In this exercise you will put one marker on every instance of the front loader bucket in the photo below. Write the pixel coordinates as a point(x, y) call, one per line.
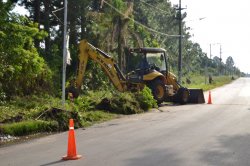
point(196, 96)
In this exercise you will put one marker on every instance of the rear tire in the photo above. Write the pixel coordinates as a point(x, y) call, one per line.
point(158, 90)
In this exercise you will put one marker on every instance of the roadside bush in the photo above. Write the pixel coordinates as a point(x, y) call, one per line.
point(86, 110)
point(128, 103)
point(89, 101)
point(145, 99)
point(62, 118)
point(22, 70)
point(120, 103)
point(125, 103)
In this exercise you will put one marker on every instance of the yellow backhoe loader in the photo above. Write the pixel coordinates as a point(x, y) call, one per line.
point(147, 67)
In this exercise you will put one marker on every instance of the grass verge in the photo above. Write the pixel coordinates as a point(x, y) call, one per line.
point(33, 114)
point(29, 127)
point(199, 82)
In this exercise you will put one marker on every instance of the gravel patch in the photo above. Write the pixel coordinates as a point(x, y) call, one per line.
point(7, 138)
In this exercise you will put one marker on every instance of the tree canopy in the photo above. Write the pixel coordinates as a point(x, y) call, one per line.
point(31, 46)
point(22, 70)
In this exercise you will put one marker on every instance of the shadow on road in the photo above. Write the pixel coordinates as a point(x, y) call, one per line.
point(159, 157)
point(53, 163)
point(176, 104)
point(168, 104)
point(230, 150)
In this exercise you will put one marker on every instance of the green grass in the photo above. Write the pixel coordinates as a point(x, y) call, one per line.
point(27, 115)
point(26, 108)
point(198, 81)
point(28, 127)
point(92, 117)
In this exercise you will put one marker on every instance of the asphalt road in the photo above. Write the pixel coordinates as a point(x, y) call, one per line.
point(187, 135)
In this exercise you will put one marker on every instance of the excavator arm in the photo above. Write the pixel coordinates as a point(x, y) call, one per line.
point(104, 60)
point(131, 83)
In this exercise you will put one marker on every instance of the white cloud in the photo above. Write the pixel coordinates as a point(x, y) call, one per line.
point(227, 22)
point(20, 10)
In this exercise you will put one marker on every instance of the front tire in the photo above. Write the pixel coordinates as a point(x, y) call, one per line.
point(158, 90)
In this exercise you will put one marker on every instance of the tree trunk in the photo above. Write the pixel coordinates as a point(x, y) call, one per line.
point(37, 18)
point(120, 45)
point(47, 26)
point(122, 34)
point(73, 10)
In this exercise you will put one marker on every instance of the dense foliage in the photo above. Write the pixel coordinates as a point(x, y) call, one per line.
point(32, 44)
point(34, 114)
point(22, 70)
point(31, 59)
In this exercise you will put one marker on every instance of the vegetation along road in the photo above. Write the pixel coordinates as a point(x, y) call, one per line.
point(216, 134)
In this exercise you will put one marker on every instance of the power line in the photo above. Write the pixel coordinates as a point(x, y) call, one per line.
point(163, 11)
point(150, 29)
point(53, 13)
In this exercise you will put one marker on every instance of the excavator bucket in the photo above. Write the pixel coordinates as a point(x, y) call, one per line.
point(196, 96)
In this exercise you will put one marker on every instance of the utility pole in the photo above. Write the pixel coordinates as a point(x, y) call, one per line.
point(206, 72)
point(180, 42)
point(64, 51)
point(220, 67)
point(210, 49)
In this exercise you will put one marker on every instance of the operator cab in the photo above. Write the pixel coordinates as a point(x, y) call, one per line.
point(142, 61)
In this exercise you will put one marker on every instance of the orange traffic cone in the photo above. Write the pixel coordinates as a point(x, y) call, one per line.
point(209, 98)
point(71, 154)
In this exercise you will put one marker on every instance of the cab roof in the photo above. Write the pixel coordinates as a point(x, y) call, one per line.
point(147, 50)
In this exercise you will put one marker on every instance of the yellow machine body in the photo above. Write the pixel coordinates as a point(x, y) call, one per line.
point(163, 83)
